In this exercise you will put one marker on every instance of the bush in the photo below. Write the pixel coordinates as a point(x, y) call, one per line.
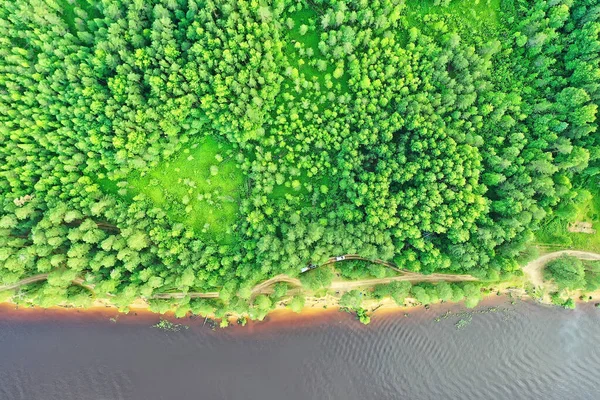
point(472, 295)
point(569, 304)
point(398, 291)
point(296, 304)
point(568, 272)
point(362, 316)
point(317, 279)
point(556, 298)
point(351, 300)
point(421, 295)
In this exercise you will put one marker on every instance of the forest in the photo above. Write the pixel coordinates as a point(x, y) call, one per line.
point(160, 146)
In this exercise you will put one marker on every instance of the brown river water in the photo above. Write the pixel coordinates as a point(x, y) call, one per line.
point(520, 351)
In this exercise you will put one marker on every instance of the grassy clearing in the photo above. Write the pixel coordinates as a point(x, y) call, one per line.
point(200, 187)
point(358, 269)
point(459, 15)
point(308, 40)
point(294, 187)
point(589, 210)
point(554, 232)
point(308, 75)
point(303, 53)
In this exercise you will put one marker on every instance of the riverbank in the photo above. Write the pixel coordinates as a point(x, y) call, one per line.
point(281, 316)
point(280, 321)
point(313, 305)
point(529, 286)
point(316, 308)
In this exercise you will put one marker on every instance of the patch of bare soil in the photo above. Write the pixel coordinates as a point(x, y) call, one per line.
point(581, 227)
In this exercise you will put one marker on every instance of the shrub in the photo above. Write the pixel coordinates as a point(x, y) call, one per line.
point(568, 272)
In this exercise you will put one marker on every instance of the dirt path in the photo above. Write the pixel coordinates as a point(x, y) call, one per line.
point(533, 270)
point(276, 279)
point(193, 295)
point(26, 281)
point(262, 287)
point(266, 286)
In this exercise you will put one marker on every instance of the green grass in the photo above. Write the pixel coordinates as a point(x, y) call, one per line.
point(111, 187)
point(297, 42)
point(589, 210)
point(554, 232)
point(280, 191)
point(302, 195)
point(201, 187)
point(459, 15)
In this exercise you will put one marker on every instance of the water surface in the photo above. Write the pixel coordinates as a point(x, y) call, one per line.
point(522, 351)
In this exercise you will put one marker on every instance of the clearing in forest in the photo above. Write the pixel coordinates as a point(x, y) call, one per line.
point(582, 231)
point(200, 187)
point(478, 14)
point(581, 227)
point(308, 72)
point(302, 51)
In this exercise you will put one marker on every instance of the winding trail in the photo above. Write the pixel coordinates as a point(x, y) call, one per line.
point(265, 286)
point(193, 295)
point(26, 281)
point(276, 279)
point(43, 277)
point(261, 288)
point(533, 270)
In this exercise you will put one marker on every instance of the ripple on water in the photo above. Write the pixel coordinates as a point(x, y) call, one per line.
point(527, 352)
